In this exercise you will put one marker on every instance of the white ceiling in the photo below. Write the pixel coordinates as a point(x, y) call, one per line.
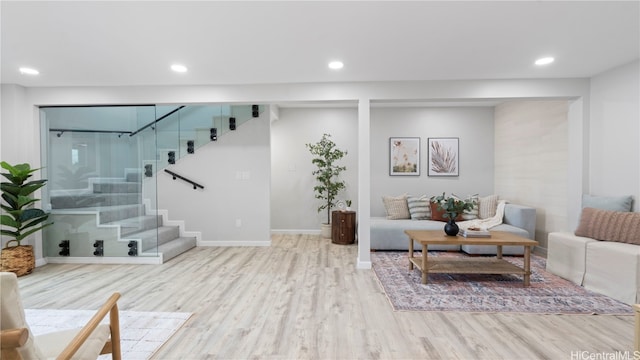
point(85, 43)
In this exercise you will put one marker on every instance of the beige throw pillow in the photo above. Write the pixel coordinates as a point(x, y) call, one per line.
point(487, 206)
point(608, 225)
point(396, 207)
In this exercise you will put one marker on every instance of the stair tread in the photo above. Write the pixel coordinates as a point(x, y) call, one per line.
point(174, 247)
point(153, 231)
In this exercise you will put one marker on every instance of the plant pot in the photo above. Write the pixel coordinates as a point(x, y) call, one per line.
point(451, 228)
point(325, 231)
point(17, 259)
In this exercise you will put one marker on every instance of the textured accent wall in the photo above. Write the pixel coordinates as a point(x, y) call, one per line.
point(531, 157)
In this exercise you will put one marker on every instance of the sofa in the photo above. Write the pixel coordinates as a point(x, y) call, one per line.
point(387, 233)
point(603, 254)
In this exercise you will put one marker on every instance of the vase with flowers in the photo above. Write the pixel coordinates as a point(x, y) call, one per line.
point(452, 207)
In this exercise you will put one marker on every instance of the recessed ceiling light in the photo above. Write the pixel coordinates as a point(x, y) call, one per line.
point(29, 71)
point(335, 65)
point(544, 61)
point(179, 68)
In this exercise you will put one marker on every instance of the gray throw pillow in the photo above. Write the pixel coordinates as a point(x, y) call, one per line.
point(611, 203)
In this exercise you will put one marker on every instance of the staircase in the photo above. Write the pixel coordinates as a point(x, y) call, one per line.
point(118, 205)
point(111, 214)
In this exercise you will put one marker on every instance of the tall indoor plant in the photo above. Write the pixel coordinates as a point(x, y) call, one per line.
point(21, 216)
point(326, 155)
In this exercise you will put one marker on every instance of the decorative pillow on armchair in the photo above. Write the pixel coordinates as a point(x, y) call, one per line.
point(396, 207)
point(620, 226)
point(611, 203)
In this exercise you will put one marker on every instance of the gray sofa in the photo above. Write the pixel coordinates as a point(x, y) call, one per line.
point(389, 234)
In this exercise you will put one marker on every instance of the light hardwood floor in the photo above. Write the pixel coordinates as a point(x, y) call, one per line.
point(302, 298)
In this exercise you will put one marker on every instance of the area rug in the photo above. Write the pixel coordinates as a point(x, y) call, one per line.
point(141, 333)
point(547, 294)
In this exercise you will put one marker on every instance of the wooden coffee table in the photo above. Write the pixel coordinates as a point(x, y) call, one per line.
point(470, 264)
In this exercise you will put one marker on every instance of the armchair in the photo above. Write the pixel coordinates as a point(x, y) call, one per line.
point(17, 341)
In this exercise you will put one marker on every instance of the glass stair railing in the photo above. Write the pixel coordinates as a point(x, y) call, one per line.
point(193, 126)
point(101, 164)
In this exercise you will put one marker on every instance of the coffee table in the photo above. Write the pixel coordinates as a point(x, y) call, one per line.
point(470, 264)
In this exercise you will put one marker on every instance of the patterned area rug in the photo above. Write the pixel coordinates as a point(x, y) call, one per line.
point(141, 333)
point(548, 293)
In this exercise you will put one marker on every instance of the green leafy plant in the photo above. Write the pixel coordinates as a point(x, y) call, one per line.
point(21, 215)
point(452, 205)
point(325, 157)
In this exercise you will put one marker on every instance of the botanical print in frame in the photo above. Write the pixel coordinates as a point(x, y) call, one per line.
point(404, 156)
point(443, 157)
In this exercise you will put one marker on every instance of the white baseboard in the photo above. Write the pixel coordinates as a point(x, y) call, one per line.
point(294, 231)
point(363, 264)
point(41, 262)
point(141, 260)
point(233, 243)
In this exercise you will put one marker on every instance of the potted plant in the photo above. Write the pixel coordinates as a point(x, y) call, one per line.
point(326, 155)
point(452, 207)
point(21, 216)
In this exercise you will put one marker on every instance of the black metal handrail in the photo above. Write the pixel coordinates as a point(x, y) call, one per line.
point(176, 176)
point(158, 119)
point(62, 131)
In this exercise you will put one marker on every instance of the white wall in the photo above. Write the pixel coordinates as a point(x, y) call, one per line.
point(531, 159)
point(615, 133)
point(235, 173)
point(472, 125)
point(19, 131)
point(20, 137)
point(20, 140)
point(293, 205)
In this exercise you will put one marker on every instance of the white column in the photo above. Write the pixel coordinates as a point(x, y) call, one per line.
point(578, 167)
point(364, 185)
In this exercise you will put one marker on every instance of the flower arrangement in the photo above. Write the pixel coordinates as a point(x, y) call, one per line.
point(453, 205)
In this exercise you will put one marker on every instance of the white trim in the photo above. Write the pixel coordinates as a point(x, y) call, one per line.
point(295, 231)
point(148, 260)
point(364, 184)
point(366, 265)
point(206, 243)
point(41, 262)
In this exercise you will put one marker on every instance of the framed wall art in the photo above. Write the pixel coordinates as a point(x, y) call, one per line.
point(443, 157)
point(404, 156)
